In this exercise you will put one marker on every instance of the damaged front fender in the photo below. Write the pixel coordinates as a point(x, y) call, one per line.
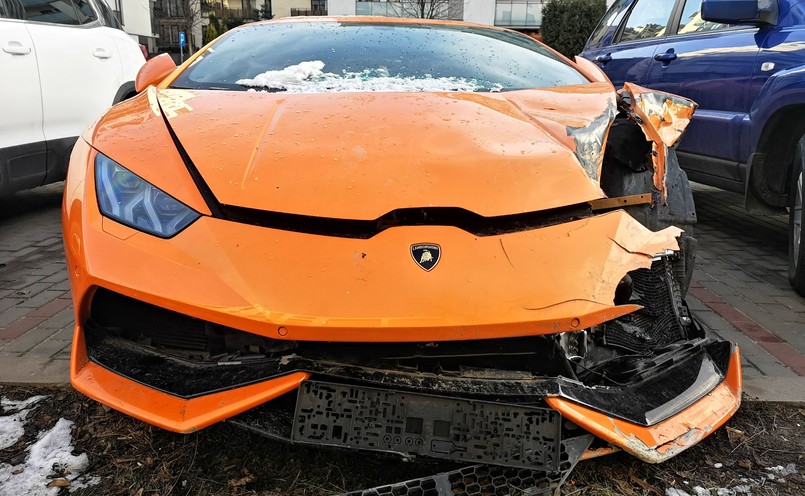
point(663, 118)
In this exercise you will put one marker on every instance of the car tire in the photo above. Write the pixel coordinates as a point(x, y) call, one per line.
point(796, 228)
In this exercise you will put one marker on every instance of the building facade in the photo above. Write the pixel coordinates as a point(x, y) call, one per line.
point(172, 16)
point(136, 17)
point(518, 14)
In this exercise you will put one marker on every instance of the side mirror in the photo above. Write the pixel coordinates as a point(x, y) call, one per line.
point(154, 71)
point(741, 11)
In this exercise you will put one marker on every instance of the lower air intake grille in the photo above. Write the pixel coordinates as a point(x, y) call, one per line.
point(662, 320)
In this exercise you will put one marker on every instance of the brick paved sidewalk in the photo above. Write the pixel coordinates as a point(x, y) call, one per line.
point(36, 315)
point(740, 290)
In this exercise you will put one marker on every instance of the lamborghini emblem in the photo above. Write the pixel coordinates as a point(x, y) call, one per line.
point(426, 255)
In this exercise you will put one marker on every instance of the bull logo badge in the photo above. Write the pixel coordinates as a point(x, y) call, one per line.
point(426, 255)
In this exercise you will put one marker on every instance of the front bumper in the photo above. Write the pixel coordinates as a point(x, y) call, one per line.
point(332, 294)
point(681, 396)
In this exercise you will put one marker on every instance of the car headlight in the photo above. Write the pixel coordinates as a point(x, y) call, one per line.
point(128, 199)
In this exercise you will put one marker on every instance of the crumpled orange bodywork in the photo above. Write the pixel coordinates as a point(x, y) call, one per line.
point(663, 118)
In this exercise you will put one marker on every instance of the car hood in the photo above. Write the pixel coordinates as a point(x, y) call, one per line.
point(362, 155)
point(359, 155)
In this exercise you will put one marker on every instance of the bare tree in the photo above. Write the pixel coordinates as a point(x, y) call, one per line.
point(427, 9)
point(173, 16)
point(191, 22)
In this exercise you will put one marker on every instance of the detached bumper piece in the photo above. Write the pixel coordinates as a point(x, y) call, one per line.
point(485, 480)
point(424, 425)
point(523, 443)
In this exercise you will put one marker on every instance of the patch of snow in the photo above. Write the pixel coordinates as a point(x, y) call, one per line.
point(672, 491)
point(789, 469)
point(50, 455)
point(700, 491)
point(309, 77)
point(84, 482)
point(12, 427)
point(291, 75)
point(16, 406)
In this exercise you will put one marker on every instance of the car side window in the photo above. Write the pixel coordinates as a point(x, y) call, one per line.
point(52, 11)
point(647, 19)
point(11, 9)
point(108, 16)
point(86, 14)
point(613, 16)
point(692, 22)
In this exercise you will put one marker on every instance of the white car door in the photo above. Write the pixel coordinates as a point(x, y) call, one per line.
point(79, 65)
point(22, 142)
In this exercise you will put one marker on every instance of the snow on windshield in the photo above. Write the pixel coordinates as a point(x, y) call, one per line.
point(309, 77)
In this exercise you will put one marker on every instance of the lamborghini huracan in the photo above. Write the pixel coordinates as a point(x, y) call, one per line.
point(427, 238)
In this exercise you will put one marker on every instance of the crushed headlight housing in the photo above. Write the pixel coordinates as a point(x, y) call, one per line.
point(128, 199)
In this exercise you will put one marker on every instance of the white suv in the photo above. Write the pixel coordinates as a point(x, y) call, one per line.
point(63, 62)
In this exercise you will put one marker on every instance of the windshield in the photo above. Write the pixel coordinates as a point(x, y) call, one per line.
point(312, 57)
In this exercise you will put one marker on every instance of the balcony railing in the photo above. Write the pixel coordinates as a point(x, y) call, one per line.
point(227, 13)
point(308, 12)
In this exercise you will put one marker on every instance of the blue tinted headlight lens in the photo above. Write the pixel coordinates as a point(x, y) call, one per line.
point(128, 199)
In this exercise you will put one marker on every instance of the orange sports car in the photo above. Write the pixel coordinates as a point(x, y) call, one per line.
point(428, 238)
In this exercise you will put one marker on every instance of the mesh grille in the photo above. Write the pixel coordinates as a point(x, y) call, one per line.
point(487, 480)
point(659, 323)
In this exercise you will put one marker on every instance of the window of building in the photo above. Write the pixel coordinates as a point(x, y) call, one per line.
point(519, 13)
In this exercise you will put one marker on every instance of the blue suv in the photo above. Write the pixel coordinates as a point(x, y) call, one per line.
point(743, 62)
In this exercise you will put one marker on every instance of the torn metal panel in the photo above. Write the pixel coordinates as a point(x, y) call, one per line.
point(590, 141)
point(663, 118)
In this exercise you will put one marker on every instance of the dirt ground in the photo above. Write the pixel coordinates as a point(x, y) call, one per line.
point(755, 453)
